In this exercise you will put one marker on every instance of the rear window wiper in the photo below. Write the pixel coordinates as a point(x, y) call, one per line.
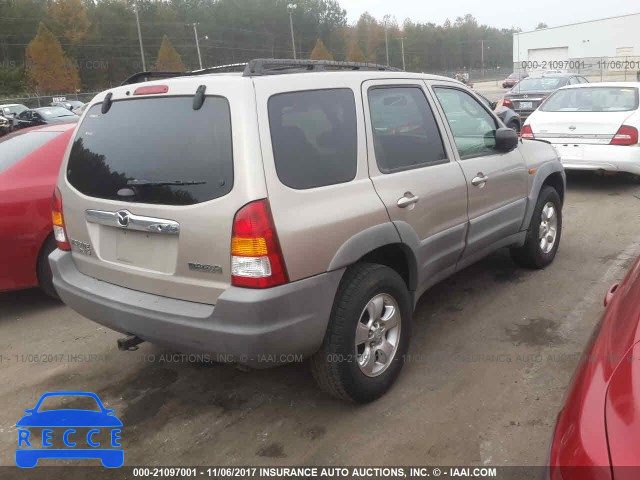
point(146, 183)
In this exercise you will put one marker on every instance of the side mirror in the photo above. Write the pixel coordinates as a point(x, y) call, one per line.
point(506, 139)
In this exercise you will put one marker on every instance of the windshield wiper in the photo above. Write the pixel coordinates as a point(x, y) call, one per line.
point(146, 183)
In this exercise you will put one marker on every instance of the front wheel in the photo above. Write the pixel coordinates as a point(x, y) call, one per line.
point(368, 334)
point(543, 235)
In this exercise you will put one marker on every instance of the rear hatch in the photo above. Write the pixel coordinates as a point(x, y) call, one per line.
point(584, 115)
point(151, 186)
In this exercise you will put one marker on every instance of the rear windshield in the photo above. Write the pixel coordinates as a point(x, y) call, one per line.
point(154, 150)
point(538, 84)
point(15, 147)
point(593, 99)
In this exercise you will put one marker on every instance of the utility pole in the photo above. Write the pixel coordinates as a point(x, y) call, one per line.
point(386, 39)
point(482, 57)
point(135, 8)
point(195, 32)
point(291, 8)
point(404, 67)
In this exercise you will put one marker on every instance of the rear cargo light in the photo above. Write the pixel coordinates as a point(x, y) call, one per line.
point(256, 256)
point(151, 90)
point(626, 135)
point(507, 103)
point(526, 132)
point(57, 219)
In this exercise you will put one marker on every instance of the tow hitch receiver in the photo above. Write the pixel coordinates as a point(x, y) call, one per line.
point(129, 343)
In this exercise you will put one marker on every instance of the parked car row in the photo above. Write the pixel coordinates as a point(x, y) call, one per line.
point(17, 116)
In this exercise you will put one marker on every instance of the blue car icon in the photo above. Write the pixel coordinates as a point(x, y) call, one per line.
point(65, 422)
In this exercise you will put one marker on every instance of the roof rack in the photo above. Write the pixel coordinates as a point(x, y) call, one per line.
point(146, 76)
point(265, 66)
point(274, 66)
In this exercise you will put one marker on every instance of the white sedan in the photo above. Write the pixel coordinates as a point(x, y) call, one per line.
point(593, 126)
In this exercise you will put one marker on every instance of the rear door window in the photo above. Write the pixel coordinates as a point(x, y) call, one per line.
point(154, 150)
point(314, 137)
point(405, 132)
point(15, 147)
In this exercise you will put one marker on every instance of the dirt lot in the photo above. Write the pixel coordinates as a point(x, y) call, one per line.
point(492, 351)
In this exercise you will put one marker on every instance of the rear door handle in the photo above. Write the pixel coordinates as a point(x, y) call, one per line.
point(408, 199)
point(479, 180)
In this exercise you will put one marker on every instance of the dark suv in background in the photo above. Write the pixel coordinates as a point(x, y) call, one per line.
point(529, 93)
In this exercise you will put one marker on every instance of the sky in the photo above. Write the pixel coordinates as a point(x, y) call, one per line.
point(515, 13)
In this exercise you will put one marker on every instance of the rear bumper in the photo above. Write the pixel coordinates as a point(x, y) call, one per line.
point(257, 328)
point(612, 158)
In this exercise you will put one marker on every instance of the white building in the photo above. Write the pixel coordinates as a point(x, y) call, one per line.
point(614, 38)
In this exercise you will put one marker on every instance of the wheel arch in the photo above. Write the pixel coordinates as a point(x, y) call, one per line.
point(379, 244)
point(550, 173)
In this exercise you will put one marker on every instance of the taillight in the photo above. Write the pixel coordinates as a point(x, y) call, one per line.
point(526, 132)
point(626, 135)
point(256, 256)
point(507, 103)
point(57, 219)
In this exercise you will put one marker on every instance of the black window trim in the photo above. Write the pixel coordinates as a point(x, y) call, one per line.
point(491, 114)
point(387, 171)
point(355, 111)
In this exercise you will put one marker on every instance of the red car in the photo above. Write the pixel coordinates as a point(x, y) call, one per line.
point(513, 79)
point(29, 164)
point(597, 431)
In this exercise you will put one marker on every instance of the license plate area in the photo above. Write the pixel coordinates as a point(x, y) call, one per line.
point(148, 251)
point(570, 152)
point(526, 105)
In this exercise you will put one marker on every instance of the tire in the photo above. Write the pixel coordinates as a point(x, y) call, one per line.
point(45, 278)
point(339, 366)
point(534, 254)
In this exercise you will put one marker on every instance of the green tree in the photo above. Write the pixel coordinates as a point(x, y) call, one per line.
point(169, 60)
point(320, 52)
point(48, 69)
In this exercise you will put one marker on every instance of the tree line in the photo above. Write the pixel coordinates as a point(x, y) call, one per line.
point(62, 46)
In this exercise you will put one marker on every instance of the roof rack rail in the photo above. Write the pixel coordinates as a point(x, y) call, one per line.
point(146, 76)
point(275, 66)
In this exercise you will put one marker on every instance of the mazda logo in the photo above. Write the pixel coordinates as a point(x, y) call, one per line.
point(123, 218)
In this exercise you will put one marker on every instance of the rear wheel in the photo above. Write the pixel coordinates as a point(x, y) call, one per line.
point(514, 125)
point(368, 334)
point(45, 277)
point(543, 235)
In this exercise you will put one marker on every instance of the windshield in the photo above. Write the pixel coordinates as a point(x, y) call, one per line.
point(593, 99)
point(14, 109)
point(178, 159)
point(538, 84)
point(54, 112)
